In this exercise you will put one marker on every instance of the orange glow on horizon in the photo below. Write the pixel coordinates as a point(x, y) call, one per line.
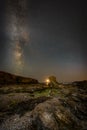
point(47, 81)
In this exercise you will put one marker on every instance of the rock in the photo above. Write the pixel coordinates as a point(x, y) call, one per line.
point(51, 114)
point(7, 78)
point(66, 109)
point(53, 82)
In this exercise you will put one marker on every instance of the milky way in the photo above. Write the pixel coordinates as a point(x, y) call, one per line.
point(17, 31)
point(39, 38)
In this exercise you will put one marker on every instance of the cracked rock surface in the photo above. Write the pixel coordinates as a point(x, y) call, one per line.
point(34, 107)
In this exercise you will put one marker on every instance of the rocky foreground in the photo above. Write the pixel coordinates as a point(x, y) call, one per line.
point(34, 107)
point(38, 107)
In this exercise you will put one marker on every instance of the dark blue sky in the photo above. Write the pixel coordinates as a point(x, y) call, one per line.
point(42, 38)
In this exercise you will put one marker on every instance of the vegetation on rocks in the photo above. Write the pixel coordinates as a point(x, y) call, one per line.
point(39, 107)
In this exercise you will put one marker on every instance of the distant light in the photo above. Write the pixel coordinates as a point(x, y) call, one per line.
point(47, 81)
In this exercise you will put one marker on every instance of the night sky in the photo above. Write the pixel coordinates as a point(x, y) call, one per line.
point(39, 38)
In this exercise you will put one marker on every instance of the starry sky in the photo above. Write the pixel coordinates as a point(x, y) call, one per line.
point(39, 38)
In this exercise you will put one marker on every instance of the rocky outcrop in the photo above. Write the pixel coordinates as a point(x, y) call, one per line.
point(66, 109)
point(80, 84)
point(53, 114)
point(7, 78)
